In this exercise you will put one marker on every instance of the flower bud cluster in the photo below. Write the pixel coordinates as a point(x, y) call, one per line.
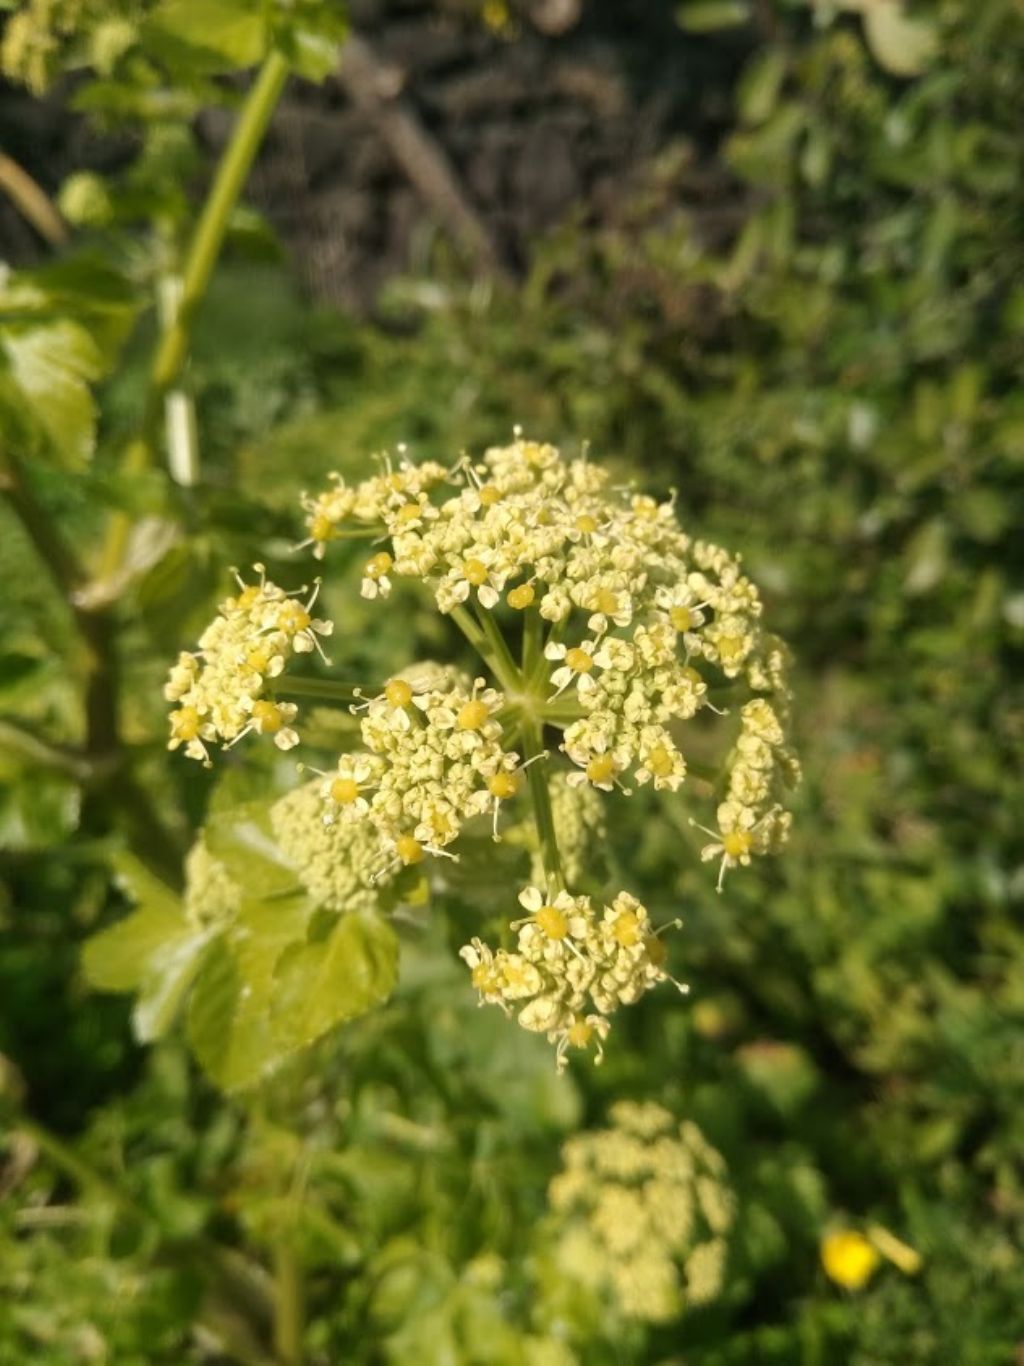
point(641, 1212)
point(212, 896)
point(641, 620)
point(220, 688)
point(435, 759)
point(338, 864)
point(572, 969)
point(751, 820)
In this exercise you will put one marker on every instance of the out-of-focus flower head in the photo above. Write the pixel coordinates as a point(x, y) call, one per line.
point(641, 1213)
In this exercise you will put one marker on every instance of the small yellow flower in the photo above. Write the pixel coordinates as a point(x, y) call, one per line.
point(848, 1258)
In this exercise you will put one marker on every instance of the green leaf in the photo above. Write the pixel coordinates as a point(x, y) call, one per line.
point(235, 30)
point(242, 839)
point(38, 810)
point(229, 1023)
point(85, 288)
point(171, 970)
point(320, 985)
point(312, 55)
point(121, 958)
point(50, 365)
point(310, 33)
point(144, 887)
point(706, 16)
point(60, 329)
point(154, 951)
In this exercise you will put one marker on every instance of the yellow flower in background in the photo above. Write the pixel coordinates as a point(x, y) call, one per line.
point(848, 1258)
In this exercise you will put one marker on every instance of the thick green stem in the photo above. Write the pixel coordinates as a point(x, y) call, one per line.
point(289, 1308)
point(505, 667)
point(213, 222)
point(533, 628)
point(540, 797)
point(172, 351)
point(505, 672)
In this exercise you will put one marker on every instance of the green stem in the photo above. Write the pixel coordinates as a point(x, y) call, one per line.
point(541, 799)
point(102, 750)
point(532, 631)
point(289, 1309)
point(505, 668)
point(204, 250)
point(483, 645)
point(213, 222)
point(326, 689)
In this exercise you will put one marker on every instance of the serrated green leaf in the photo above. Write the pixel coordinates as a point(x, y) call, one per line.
point(312, 55)
point(213, 1012)
point(320, 985)
point(235, 30)
point(87, 289)
point(171, 971)
point(242, 839)
point(144, 887)
point(229, 1024)
point(120, 958)
point(51, 366)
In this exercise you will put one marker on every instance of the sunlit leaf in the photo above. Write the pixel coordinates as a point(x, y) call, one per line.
point(339, 978)
point(51, 365)
point(229, 1024)
point(120, 958)
point(235, 30)
point(243, 841)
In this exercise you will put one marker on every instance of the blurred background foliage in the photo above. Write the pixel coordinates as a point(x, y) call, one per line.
point(822, 355)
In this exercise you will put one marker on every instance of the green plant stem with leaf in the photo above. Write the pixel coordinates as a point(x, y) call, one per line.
point(92, 610)
point(203, 253)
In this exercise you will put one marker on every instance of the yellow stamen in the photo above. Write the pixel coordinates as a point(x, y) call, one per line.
point(268, 718)
point(601, 768)
point(579, 661)
point(398, 693)
point(552, 922)
point(344, 791)
point(503, 786)
point(409, 850)
point(736, 843)
point(472, 715)
point(521, 597)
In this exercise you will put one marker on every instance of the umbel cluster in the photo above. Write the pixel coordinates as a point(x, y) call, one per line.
point(603, 630)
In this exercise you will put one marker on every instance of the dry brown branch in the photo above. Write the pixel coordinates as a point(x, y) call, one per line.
point(32, 202)
point(376, 88)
